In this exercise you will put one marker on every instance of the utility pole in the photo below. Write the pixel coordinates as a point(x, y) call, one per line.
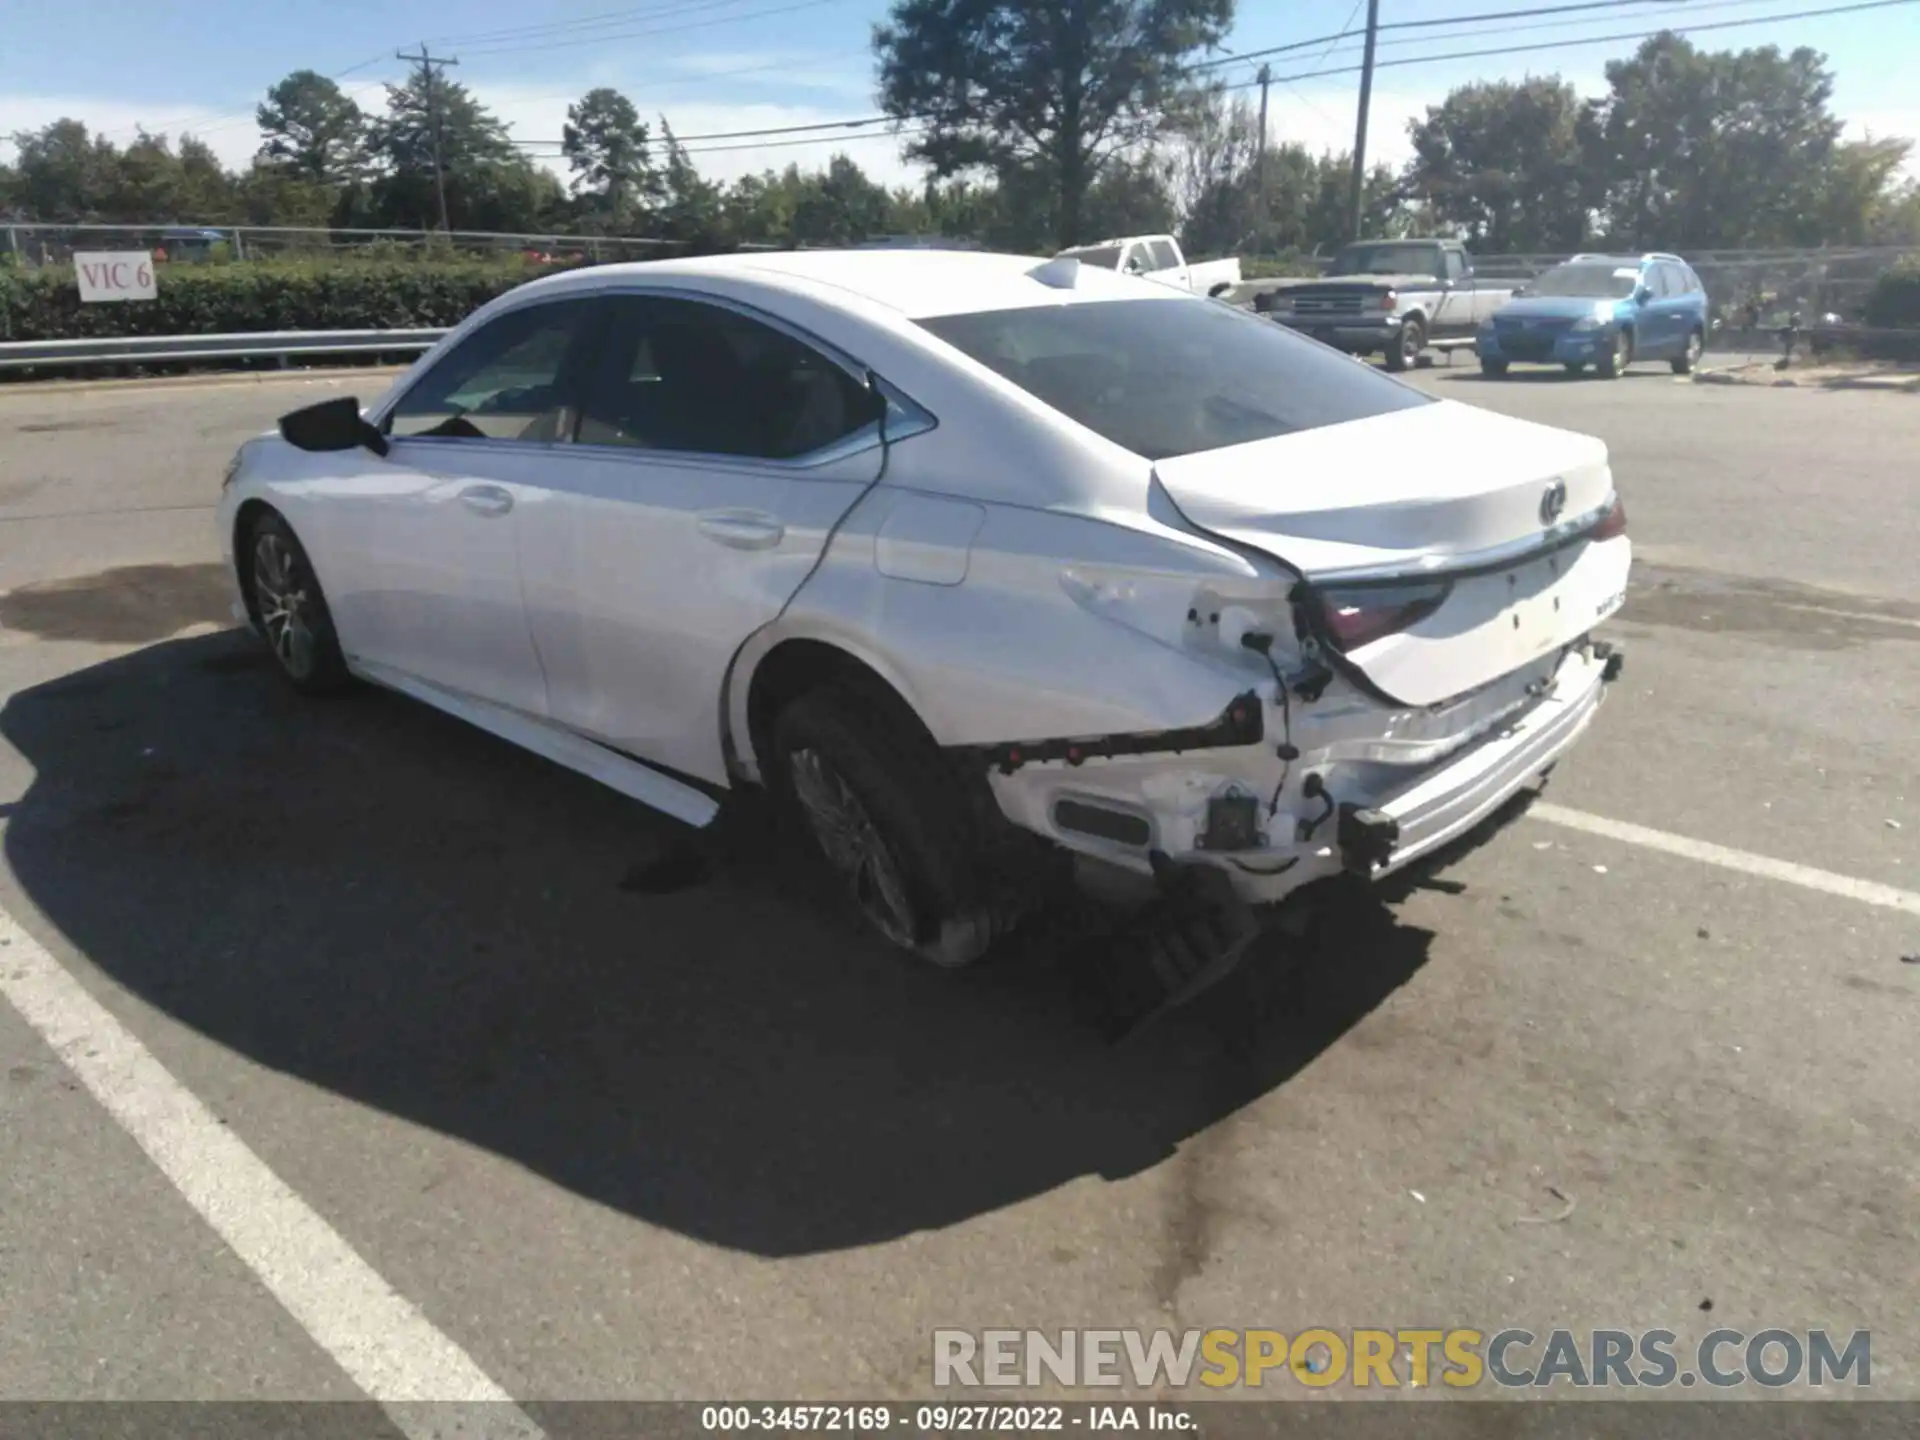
point(1260, 165)
point(426, 62)
point(1360, 128)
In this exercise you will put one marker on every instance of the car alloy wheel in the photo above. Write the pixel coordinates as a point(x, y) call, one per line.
point(853, 845)
point(282, 591)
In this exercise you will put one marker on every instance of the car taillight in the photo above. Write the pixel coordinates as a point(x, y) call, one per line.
point(1613, 523)
point(1353, 618)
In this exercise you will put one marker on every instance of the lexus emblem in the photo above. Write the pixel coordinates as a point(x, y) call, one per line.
point(1553, 502)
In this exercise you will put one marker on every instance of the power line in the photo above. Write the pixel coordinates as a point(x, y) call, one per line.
point(206, 119)
point(653, 83)
point(1859, 5)
point(585, 22)
point(1692, 7)
point(1346, 31)
point(655, 30)
point(1583, 40)
point(775, 130)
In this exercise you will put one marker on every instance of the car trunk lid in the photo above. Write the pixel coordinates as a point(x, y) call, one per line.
point(1438, 543)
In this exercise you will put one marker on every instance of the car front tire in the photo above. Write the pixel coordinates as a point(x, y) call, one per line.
point(1407, 345)
point(1618, 358)
point(883, 810)
point(1493, 369)
point(1687, 359)
point(290, 609)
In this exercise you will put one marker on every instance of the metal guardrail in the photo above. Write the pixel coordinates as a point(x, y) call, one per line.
point(266, 345)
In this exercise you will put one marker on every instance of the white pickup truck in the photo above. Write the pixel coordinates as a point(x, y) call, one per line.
point(1157, 257)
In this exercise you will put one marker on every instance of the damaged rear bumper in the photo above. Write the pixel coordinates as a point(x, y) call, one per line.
point(1358, 788)
point(1445, 803)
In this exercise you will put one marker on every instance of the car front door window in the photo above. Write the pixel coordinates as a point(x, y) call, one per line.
point(509, 380)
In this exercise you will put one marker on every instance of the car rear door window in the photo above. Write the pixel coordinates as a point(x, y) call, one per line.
point(1174, 376)
point(518, 377)
point(691, 376)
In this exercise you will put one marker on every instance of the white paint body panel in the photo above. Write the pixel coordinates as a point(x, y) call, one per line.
point(1010, 574)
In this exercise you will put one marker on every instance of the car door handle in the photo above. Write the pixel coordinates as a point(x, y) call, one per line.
point(742, 529)
point(487, 499)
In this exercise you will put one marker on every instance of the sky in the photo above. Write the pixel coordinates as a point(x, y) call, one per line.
point(718, 66)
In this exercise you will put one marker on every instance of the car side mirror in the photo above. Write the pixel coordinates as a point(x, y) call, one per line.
point(332, 425)
point(1642, 295)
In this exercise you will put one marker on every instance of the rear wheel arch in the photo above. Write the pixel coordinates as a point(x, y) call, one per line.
point(794, 666)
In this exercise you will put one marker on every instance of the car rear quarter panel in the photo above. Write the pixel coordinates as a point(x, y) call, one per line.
point(1060, 625)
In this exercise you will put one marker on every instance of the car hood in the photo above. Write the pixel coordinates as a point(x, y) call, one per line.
point(1374, 282)
point(1554, 307)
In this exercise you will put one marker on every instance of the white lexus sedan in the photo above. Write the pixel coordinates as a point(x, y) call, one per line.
point(972, 560)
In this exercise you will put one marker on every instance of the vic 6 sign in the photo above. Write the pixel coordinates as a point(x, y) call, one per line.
point(115, 275)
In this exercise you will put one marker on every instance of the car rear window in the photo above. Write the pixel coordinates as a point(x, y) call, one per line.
point(1176, 376)
point(1101, 257)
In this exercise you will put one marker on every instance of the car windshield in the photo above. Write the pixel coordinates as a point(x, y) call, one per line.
point(1173, 377)
point(1387, 259)
point(1588, 281)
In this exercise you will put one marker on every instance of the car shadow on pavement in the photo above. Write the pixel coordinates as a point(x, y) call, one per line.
point(1549, 375)
point(396, 907)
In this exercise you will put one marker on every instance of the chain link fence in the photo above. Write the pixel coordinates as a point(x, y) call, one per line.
point(36, 244)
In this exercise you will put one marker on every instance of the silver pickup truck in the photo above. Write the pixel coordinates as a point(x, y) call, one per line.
point(1395, 298)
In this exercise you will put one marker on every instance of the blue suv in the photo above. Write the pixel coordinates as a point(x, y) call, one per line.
point(1601, 310)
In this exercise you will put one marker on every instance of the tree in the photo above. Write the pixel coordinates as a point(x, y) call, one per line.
point(62, 173)
point(274, 194)
point(1215, 180)
point(1502, 162)
point(311, 126)
point(1055, 91)
point(1896, 218)
point(1713, 150)
point(1862, 194)
point(144, 182)
point(207, 190)
point(490, 185)
point(605, 144)
point(839, 205)
point(1131, 197)
point(692, 209)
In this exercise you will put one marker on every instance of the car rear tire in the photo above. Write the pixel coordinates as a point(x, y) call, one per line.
point(1684, 362)
point(1493, 369)
point(1576, 367)
point(1618, 358)
point(1407, 345)
point(289, 608)
point(889, 817)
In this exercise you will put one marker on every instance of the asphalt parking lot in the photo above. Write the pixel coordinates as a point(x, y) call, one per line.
point(607, 1143)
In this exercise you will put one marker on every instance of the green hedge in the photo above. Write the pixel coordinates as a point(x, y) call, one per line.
point(1894, 299)
point(270, 295)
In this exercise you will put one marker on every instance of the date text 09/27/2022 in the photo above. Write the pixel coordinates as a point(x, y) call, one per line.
point(981, 1419)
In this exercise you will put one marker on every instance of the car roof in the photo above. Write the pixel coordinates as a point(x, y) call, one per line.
point(1650, 258)
point(917, 284)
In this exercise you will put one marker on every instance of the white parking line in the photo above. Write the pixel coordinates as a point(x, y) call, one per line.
point(391, 1351)
point(1868, 892)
